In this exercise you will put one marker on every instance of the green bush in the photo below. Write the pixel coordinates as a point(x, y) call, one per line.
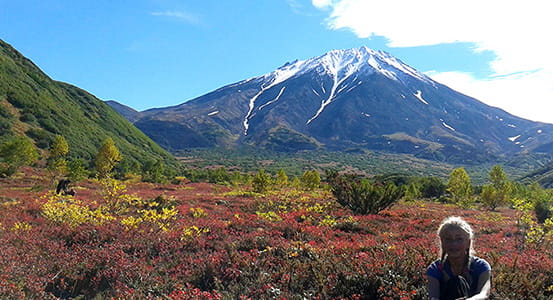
point(76, 170)
point(431, 187)
point(362, 196)
point(41, 137)
point(542, 202)
point(16, 152)
point(153, 171)
point(311, 180)
point(261, 181)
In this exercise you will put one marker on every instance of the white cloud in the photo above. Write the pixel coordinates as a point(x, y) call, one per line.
point(322, 4)
point(179, 15)
point(517, 32)
point(526, 95)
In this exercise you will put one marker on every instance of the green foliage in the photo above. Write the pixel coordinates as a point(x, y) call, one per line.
point(430, 187)
point(153, 171)
point(311, 180)
point(16, 152)
point(56, 161)
point(59, 147)
point(106, 159)
point(261, 181)
point(6, 120)
point(76, 170)
point(498, 178)
point(281, 178)
point(126, 167)
point(542, 202)
point(497, 193)
point(295, 164)
point(295, 183)
point(543, 209)
point(42, 138)
point(459, 187)
point(412, 191)
point(285, 139)
point(219, 175)
point(362, 196)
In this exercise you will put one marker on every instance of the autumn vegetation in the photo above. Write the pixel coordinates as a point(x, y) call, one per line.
point(159, 233)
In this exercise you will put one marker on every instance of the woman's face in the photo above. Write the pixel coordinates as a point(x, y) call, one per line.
point(455, 242)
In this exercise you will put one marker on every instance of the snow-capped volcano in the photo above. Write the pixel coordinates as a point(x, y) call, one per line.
point(341, 64)
point(344, 67)
point(355, 98)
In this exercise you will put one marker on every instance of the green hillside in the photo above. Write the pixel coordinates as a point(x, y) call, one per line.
point(33, 104)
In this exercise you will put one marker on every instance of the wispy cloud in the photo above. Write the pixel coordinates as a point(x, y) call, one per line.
point(178, 15)
point(516, 32)
point(322, 4)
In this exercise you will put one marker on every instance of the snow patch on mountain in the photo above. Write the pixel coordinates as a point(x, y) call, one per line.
point(447, 125)
point(274, 100)
point(280, 75)
point(376, 65)
point(514, 138)
point(419, 96)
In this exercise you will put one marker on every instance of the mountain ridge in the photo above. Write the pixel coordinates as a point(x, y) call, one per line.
point(346, 99)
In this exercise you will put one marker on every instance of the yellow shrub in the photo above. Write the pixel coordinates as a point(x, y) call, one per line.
point(198, 212)
point(270, 216)
point(317, 207)
point(161, 219)
point(72, 212)
point(191, 232)
point(21, 226)
point(115, 194)
point(131, 222)
point(328, 221)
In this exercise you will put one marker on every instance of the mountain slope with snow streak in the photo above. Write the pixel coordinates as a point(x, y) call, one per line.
point(339, 65)
point(347, 99)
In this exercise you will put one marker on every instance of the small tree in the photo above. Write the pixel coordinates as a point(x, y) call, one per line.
point(152, 171)
point(459, 187)
point(295, 182)
point(541, 202)
point(106, 159)
point(497, 193)
point(15, 153)
point(76, 170)
point(236, 178)
point(261, 181)
point(311, 179)
point(56, 162)
point(219, 175)
point(281, 178)
point(431, 187)
point(412, 192)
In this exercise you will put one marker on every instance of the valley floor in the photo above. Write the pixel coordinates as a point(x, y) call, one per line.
point(135, 240)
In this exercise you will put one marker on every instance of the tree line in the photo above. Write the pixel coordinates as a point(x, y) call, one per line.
point(361, 194)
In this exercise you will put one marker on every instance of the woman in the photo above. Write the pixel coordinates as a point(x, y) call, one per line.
point(458, 274)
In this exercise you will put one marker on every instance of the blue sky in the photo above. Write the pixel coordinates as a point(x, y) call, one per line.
point(155, 53)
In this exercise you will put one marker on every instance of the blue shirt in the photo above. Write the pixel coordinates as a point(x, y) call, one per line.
point(477, 267)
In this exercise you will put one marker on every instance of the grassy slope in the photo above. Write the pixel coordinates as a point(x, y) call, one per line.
point(33, 104)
